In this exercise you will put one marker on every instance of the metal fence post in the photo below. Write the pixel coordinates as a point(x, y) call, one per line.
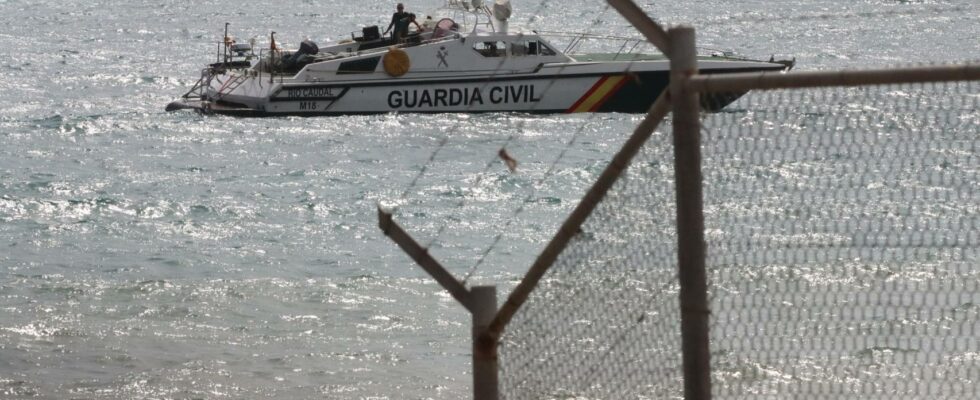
point(690, 216)
point(485, 380)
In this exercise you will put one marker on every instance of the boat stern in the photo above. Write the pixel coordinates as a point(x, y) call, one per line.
point(208, 107)
point(220, 91)
point(185, 104)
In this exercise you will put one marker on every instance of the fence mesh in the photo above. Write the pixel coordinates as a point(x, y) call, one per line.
point(842, 229)
point(606, 312)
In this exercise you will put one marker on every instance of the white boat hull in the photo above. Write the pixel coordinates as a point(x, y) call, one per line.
point(453, 73)
point(630, 92)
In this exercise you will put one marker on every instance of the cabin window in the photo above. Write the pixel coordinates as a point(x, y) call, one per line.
point(530, 48)
point(544, 50)
point(519, 49)
point(491, 49)
point(362, 66)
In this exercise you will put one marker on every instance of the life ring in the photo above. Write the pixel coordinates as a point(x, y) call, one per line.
point(396, 62)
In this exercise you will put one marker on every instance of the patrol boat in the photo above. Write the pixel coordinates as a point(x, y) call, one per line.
point(466, 60)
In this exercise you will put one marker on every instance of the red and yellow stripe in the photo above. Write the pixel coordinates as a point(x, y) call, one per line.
point(598, 94)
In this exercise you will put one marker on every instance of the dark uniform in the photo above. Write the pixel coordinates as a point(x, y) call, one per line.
point(400, 20)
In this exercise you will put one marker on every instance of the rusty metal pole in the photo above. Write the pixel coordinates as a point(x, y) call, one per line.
point(745, 81)
point(690, 216)
point(480, 301)
point(485, 379)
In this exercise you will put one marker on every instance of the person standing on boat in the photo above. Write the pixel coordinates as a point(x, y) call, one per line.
point(400, 20)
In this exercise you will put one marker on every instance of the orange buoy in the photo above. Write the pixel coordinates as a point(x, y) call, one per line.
point(396, 62)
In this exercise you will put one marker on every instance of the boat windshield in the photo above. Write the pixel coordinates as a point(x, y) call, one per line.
point(444, 27)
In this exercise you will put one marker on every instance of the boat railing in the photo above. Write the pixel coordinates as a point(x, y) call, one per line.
point(462, 11)
point(273, 62)
point(574, 43)
point(197, 92)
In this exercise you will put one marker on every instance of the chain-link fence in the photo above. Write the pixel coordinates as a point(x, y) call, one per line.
point(842, 231)
point(828, 247)
point(603, 322)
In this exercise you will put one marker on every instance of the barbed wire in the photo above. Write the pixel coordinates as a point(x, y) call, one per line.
point(452, 130)
point(520, 208)
point(597, 303)
point(479, 179)
point(496, 157)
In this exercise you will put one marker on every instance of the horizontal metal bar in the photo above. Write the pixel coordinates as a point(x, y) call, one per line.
point(743, 81)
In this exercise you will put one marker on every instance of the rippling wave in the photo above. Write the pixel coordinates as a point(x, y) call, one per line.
point(170, 255)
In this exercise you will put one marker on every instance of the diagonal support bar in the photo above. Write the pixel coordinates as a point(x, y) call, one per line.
point(650, 29)
point(568, 230)
point(424, 260)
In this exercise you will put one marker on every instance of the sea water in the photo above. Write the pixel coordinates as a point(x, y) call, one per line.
point(146, 254)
